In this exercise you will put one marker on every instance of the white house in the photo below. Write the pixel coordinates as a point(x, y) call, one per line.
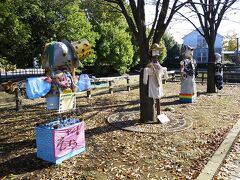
point(195, 40)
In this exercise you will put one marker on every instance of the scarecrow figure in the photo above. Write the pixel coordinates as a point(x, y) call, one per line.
point(188, 72)
point(60, 59)
point(153, 76)
point(218, 72)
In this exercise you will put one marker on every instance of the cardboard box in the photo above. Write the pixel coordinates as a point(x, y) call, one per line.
point(57, 145)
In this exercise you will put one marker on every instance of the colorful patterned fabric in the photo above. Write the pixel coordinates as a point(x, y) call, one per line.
point(188, 84)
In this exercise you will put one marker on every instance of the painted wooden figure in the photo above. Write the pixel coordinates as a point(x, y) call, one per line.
point(188, 92)
point(153, 77)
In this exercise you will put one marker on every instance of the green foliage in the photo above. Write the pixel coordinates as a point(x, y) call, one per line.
point(136, 57)
point(230, 44)
point(14, 34)
point(114, 48)
point(163, 53)
point(168, 40)
point(77, 28)
point(173, 50)
point(28, 25)
point(99, 12)
point(228, 63)
point(3, 62)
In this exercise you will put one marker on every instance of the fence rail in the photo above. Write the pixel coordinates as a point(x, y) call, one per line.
point(202, 76)
point(20, 74)
point(229, 75)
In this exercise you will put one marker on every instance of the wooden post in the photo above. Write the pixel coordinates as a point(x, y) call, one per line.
point(128, 84)
point(110, 87)
point(164, 80)
point(18, 98)
point(173, 76)
point(202, 77)
point(89, 93)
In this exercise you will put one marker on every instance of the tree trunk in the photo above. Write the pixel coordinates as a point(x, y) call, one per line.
point(147, 107)
point(211, 69)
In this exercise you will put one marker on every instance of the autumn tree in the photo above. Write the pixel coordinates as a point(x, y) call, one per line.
point(134, 13)
point(210, 13)
point(230, 42)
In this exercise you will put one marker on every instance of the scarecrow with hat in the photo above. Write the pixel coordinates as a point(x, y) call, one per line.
point(188, 72)
point(153, 76)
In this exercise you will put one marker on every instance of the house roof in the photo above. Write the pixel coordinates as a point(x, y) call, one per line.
point(197, 32)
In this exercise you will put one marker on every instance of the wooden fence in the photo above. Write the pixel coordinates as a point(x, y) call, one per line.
point(229, 75)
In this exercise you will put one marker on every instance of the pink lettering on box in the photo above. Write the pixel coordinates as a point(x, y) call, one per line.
point(68, 139)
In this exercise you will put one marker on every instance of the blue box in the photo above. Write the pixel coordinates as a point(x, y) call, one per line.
point(57, 145)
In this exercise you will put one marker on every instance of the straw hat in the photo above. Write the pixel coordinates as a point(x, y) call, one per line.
point(155, 47)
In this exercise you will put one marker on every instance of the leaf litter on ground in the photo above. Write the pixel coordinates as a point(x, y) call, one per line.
point(113, 153)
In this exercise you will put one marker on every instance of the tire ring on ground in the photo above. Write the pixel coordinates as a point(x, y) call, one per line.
point(130, 121)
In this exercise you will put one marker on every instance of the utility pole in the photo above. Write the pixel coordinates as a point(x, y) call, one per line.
point(237, 49)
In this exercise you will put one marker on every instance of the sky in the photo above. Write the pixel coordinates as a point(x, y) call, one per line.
point(179, 28)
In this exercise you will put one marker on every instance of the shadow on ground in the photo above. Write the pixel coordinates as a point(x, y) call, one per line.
point(22, 164)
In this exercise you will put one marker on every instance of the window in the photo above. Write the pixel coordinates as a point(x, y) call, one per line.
point(201, 57)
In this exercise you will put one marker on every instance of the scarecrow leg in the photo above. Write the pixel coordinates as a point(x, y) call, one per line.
point(158, 106)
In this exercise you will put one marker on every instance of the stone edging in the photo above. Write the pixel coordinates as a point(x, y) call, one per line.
point(215, 162)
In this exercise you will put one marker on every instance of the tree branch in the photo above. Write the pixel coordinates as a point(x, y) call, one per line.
point(154, 21)
point(204, 29)
point(141, 19)
point(227, 4)
point(128, 18)
point(133, 7)
point(174, 10)
point(161, 22)
point(191, 23)
point(165, 18)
